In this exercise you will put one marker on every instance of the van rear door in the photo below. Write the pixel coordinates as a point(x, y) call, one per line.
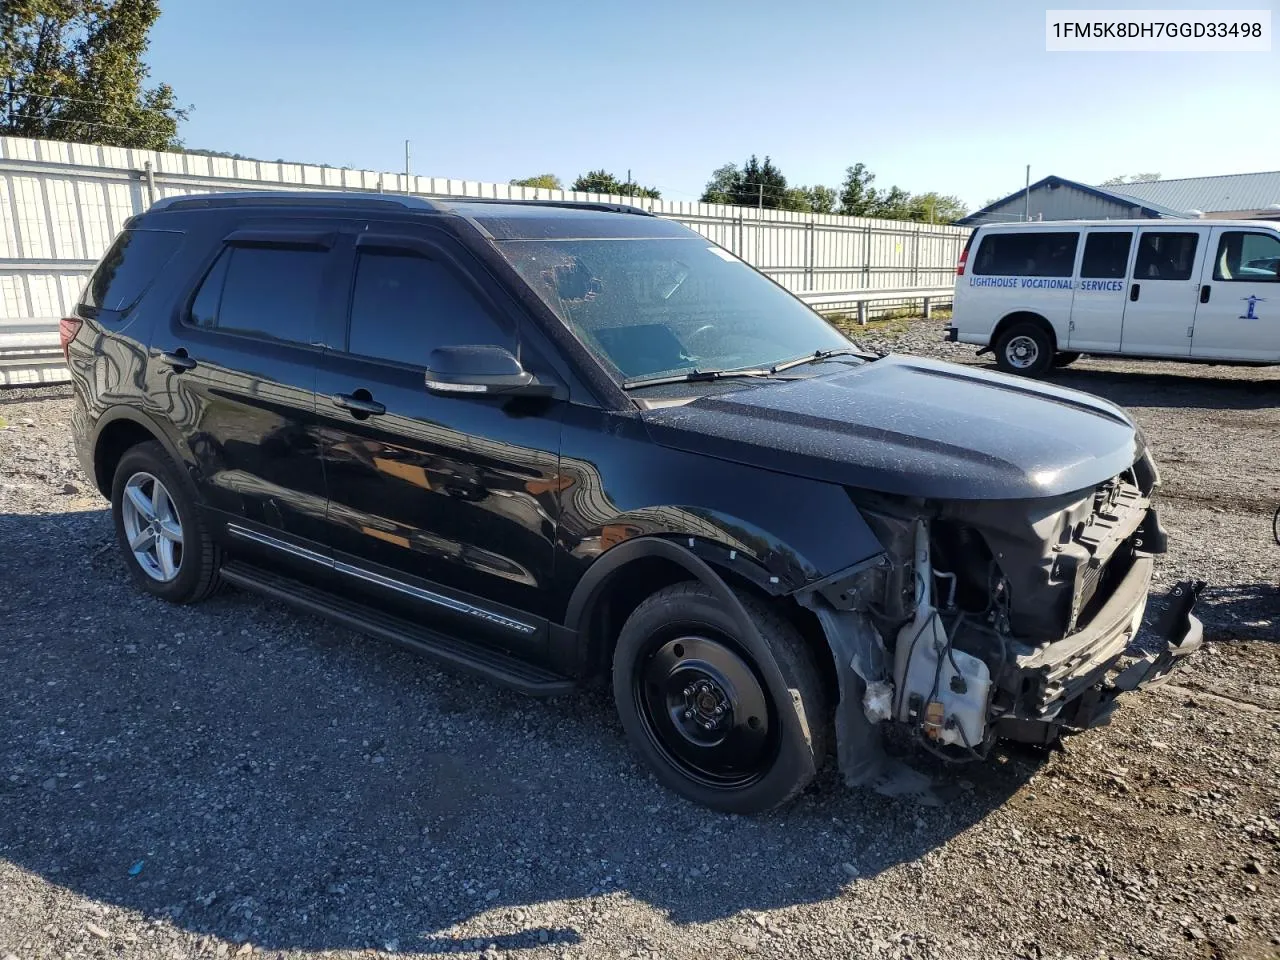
point(1238, 314)
point(1097, 310)
point(1163, 288)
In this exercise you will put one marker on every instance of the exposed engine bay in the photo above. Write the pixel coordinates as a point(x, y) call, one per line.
point(1001, 619)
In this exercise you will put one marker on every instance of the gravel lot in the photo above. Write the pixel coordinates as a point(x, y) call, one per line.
point(234, 778)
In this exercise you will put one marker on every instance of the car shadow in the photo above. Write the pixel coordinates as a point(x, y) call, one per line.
point(1169, 384)
point(265, 777)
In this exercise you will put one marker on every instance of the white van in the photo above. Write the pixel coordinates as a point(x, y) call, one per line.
point(1041, 294)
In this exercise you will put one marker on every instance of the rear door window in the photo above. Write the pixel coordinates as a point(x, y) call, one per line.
point(133, 261)
point(1165, 255)
point(264, 291)
point(1030, 253)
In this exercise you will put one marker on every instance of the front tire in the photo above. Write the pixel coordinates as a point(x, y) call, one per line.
point(1025, 349)
point(736, 723)
point(1065, 358)
point(166, 545)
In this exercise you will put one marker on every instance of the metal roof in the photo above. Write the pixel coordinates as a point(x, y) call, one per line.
point(978, 216)
point(1236, 191)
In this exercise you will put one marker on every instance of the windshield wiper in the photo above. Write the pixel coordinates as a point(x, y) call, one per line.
point(695, 376)
point(816, 357)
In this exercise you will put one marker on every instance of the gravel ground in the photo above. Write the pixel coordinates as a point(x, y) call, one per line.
point(234, 778)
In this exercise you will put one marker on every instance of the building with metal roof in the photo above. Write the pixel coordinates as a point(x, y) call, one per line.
point(1057, 198)
point(1233, 196)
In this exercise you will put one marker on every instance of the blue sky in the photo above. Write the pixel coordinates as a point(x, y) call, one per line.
point(948, 96)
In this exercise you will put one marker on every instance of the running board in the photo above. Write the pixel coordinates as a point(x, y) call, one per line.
point(448, 651)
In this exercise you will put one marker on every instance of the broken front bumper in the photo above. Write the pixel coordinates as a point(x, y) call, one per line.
point(1069, 684)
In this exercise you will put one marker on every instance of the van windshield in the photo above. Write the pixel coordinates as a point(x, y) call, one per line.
point(654, 306)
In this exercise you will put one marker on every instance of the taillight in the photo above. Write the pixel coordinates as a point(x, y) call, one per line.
point(68, 327)
point(964, 256)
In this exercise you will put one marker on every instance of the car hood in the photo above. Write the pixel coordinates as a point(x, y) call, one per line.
point(914, 427)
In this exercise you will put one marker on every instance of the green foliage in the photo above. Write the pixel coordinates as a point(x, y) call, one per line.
point(933, 207)
point(543, 181)
point(857, 196)
point(602, 181)
point(821, 199)
point(73, 70)
point(755, 184)
point(1130, 178)
point(724, 181)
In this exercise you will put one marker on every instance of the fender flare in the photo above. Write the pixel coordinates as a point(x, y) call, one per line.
point(593, 583)
point(141, 419)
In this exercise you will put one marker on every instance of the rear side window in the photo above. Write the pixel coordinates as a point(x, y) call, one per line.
point(405, 305)
point(1032, 253)
point(263, 291)
point(1106, 256)
point(127, 269)
point(1165, 256)
point(1248, 257)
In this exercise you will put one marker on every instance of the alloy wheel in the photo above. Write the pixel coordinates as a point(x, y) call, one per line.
point(152, 526)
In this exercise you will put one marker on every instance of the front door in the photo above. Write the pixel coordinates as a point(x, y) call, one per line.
point(1238, 317)
point(236, 371)
point(447, 504)
point(1097, 309)
point(1163, 288)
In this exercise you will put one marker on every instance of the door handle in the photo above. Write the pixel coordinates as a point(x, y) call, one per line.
point(1204, 293)
point(179, 360)
point(359, 405)
point(1134, 291)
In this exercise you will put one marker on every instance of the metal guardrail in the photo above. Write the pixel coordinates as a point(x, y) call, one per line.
point(30, 354)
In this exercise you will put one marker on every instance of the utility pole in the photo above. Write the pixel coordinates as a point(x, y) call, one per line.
point(1027, 195)
point(760, 203)
point(406, 167)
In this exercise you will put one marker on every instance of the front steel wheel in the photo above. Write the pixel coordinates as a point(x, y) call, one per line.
point(731, 715)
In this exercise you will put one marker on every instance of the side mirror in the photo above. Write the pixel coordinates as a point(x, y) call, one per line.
point(480, 370)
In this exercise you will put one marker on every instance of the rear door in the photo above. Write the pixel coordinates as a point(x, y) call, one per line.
point(1097, 310)
point(235, 373)
point(1164, 285)
point(444, 506)
point(1023, 270)
point(1238, 317)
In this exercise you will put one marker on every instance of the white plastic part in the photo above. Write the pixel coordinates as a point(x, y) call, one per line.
point(923, 671)
point(877, 702)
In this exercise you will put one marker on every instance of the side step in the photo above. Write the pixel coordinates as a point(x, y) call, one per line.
point(473, 658)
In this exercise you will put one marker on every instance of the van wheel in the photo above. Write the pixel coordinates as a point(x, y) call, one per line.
point(1065, 359)
point(737, 723)
point(1025, 349)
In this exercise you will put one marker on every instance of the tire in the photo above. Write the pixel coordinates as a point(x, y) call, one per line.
point(1065, 358)
point(144, 473)
point(1025, 349)
point(682, 663)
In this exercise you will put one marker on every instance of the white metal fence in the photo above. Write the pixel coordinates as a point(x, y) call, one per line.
point(61, 204)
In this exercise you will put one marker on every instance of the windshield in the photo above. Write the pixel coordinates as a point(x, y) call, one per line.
point(649, 307)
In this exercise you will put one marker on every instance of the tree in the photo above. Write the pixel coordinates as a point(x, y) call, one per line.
point(894, 205)
point(723, 185)
point(543, 181)
point(1130, 178)
point(857, 196)
point(822, 199)
point(73, 70)
point(761, 185)
point(932, 207)
point(602, 181)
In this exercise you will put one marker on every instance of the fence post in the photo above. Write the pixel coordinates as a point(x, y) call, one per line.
point(808, 255)
point(149, 175)
point(915, 257)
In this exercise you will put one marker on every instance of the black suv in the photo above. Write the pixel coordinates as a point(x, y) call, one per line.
point(549, 443)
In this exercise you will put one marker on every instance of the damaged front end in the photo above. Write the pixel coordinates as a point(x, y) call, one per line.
point(985, 620)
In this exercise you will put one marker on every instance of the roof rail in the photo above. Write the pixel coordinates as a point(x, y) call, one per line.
point(250, 198)
point(436, 204)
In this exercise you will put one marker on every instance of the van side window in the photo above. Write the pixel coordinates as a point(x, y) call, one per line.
point(263, 291)
point(1165, 256)
point(1031, 253)
point(1106, 256)
point(405, 305)
point(1246, 257)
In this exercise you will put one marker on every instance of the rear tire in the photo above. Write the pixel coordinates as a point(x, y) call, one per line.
point(1025, 349)
point(1065, 358)
point(164, 539)
point(736, 723)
